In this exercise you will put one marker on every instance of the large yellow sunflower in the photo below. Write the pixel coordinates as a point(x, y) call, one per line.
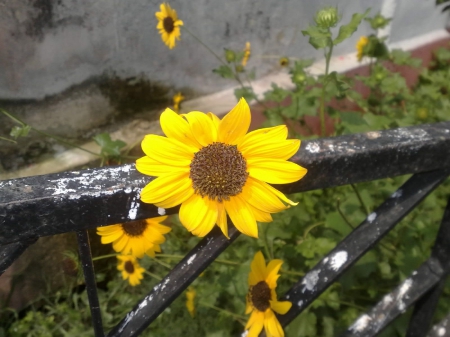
point(213, 168)
point(137, 237)
point(262, 298)
point(168, 25)
point(130, 269)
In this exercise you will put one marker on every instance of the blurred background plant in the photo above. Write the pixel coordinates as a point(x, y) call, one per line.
point(302, 235)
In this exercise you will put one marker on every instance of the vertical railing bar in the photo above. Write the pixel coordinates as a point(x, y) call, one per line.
point(84, 248)
point(424, 309)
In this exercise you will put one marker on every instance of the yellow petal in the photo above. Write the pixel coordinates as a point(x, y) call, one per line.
point(176, 127)
point(222, 219)
point(260, 215)
point(198, 215)
point(241, 216)
point(257, 325)
point(235, 124)
point(280, 307)
point(111, 237)
point(273, 134)
point(259, 195)
point(275, 171)
point(152, 167)
point(273, 150)
point(168, 151)
point(272, 273)
point(202, 126)
point(215, 119)
point(258, 268)
point(280, 195)
point(165, 187)
point(176, 199)
point(271, 325)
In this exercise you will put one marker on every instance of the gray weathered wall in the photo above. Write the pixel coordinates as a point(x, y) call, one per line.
point(47, 46)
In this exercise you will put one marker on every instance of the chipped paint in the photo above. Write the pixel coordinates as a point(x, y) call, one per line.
point(325, 260)
point(338, 260)
point(397, 194)
point(161, 211)
point(373, 134)
point(310, 280)
point(312, 147)
point(361, 323)
point(166, 281)
point(300, 303)
point(245, 333)
point(441, 331)
point(191, 259)
point(372, 217)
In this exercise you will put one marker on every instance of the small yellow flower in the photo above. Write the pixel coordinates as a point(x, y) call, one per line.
point(247, 52)
point(262, 298)
point(360, 45)
point(284, 61)
point(190, 296)
point(213, 168)
point(130, 269)
point(176, 101)
point(137, 237)
point(168, 25)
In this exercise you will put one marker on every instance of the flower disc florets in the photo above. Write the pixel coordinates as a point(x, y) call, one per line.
point(168, 24)
point(129, 267)
point(218, 171)
point(134, 228)
point(260, 296)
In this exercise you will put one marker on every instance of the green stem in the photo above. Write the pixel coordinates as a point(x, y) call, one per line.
point(8, 140)
point(153, 275)
point(104, 257)
point(363, 205)
point(343, 216)
point(62, 141)
point(311, 228)
point(237, 317)
point(235, 75)
point(324, 84)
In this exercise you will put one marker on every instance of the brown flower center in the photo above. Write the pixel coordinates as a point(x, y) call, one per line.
point(129, 267)
point(168, 24)
point(259, 296)
point(134, 228)
point(218, 171)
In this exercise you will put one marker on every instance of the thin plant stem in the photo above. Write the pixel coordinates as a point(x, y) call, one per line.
point(311, 228)
point(153, 275)
point(8, 140)
point(343, 215)
point(62, 141)
point(179, 257)
point(104, 256)
point(166, 265)
point(363, 205)
point(324, 84)
point(237, 317)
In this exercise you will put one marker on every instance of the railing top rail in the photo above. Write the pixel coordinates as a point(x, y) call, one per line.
point(57, 203)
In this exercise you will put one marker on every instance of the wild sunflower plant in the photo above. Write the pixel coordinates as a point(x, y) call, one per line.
point(239, 280)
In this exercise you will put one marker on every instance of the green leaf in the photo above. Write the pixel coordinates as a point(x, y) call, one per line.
point(20, 131)
point(335, 221)
point(318, 38)
point(109, 147)
point(245, 92)
point(303, 326)
point(345, 31)
point(224, 71)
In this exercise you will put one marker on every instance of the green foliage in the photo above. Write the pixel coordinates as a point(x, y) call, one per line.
point(345, 31)
point(224, 71)
point(110, 149)
point(20, 131)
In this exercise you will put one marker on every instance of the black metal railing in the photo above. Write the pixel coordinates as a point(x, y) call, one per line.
point(76, 201)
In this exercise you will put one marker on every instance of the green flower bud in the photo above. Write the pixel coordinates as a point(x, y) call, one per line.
point(327, 17)
point(230, 55)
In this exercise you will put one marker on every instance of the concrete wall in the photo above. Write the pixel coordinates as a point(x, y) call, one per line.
point(47, 46)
